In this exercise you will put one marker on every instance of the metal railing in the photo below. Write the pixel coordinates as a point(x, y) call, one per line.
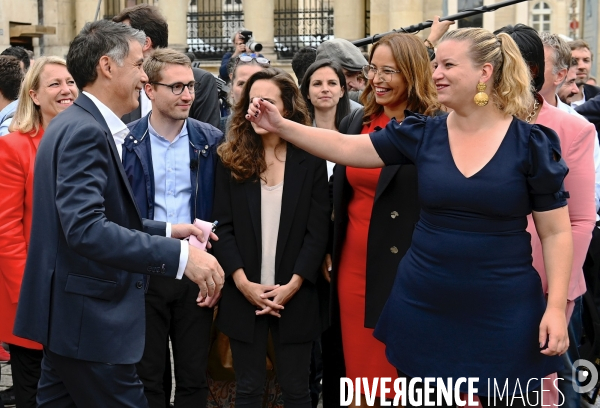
point(210, 25)
point(301, 23)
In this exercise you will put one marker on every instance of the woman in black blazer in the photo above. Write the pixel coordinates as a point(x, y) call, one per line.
point(271, 261)
point(374, 214)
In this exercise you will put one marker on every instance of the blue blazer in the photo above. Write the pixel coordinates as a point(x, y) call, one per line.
point(137, 160)
point(82, 294)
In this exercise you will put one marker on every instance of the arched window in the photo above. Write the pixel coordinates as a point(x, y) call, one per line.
point(540, 17)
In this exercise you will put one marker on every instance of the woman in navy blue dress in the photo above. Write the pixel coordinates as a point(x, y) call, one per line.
point(466, 301)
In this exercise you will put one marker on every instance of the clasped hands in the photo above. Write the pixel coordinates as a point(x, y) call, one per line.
point(268, 299)
point(202, 268)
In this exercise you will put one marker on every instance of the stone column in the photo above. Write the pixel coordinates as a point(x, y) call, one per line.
point(59, 14)
point(259, 17)
point(380, 22)
point(489, 19)
point(85, 11)
point(405, 13)
point(521, 13)
point(349, 19)
point(175, 12)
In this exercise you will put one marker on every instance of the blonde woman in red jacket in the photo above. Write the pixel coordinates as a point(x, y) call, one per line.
point(47, 90)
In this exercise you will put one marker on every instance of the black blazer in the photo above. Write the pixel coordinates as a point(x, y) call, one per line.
point(83, 290)
point(395, 212)
point(591, 111)
point(205, 107)
point(301, 245)
point(590, 91)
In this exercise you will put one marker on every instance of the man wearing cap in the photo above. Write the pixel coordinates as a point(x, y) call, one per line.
point(349, 57)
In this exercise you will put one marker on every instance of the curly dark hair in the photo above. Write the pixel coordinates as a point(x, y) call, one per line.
point(20, 53)
point(12, 76)
point(302, 59)
point(243, 152)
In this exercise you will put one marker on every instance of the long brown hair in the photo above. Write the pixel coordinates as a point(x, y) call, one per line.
point(413, 63)
point(243, 152)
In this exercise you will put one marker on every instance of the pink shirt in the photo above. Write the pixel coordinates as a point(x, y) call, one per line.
point(577, 146)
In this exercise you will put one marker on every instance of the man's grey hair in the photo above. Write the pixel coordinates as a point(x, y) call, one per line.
point(562, 52)
point(96, 40)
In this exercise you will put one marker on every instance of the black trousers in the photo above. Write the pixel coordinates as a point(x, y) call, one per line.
point(292, 366)
point(26, 366)
point(334, 367)
point(70, 383)
point(533, 396)
point(171, 311)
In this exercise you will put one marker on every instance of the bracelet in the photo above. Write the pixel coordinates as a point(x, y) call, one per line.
point(428, 44)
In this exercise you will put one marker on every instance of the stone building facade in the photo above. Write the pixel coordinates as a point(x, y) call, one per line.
point(47, 26)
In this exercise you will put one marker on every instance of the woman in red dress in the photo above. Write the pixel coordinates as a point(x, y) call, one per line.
point(375, 210)
point(47, 90)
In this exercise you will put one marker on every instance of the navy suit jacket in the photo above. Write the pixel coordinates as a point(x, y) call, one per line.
point(137, 160)
point(591, 111)
point(82, 294)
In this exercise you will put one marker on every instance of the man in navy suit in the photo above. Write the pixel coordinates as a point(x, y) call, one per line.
point(83, 290)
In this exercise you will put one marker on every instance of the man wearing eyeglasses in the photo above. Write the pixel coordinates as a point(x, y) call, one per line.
point(170, 161)
point(149, 19)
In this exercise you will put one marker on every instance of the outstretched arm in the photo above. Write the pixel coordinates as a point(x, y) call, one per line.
point(349, 150)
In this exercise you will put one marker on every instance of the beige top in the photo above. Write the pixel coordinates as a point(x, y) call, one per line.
point(270, 212)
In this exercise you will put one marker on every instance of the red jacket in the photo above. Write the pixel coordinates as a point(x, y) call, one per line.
point(17, 158)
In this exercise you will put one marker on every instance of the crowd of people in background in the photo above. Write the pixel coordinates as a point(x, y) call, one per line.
point(428, 208)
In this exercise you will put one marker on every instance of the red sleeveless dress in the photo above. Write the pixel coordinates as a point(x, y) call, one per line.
point(364, 355)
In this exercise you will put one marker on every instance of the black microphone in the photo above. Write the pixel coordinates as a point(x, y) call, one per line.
point(194, 164)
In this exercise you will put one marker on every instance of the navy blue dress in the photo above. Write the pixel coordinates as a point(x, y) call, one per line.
point(467, 301)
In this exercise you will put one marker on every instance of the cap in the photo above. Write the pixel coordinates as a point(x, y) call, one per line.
point(343, 52)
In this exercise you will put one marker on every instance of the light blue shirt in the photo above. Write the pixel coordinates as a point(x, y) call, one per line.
point(8, 109)
point(172, 185)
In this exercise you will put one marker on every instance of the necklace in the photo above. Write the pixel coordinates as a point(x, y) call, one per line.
point(536, 105)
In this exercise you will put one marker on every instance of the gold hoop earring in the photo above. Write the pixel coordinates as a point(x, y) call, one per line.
point(481, 98)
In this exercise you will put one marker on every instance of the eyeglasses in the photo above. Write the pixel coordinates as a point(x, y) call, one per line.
point(178, 87)
point(250, 57)
point(385, 74)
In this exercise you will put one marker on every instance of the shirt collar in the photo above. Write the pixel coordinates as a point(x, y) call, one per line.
point(115, 124)
point(154, 133)
point(11, 107)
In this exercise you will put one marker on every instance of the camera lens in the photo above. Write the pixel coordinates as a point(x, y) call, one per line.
point(254, 46)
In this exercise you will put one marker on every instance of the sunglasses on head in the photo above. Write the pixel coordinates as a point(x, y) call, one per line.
point(250, 57)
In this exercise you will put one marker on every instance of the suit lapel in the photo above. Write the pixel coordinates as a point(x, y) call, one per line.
point(293, 179)
point(385, 177)
point(252, 188)
point(87, 104)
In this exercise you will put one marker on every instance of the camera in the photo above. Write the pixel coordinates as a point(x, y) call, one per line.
point(246, 37)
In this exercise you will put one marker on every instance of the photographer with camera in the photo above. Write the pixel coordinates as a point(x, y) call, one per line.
point(242, 43)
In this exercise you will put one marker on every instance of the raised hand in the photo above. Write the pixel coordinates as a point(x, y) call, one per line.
point(265, 115)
